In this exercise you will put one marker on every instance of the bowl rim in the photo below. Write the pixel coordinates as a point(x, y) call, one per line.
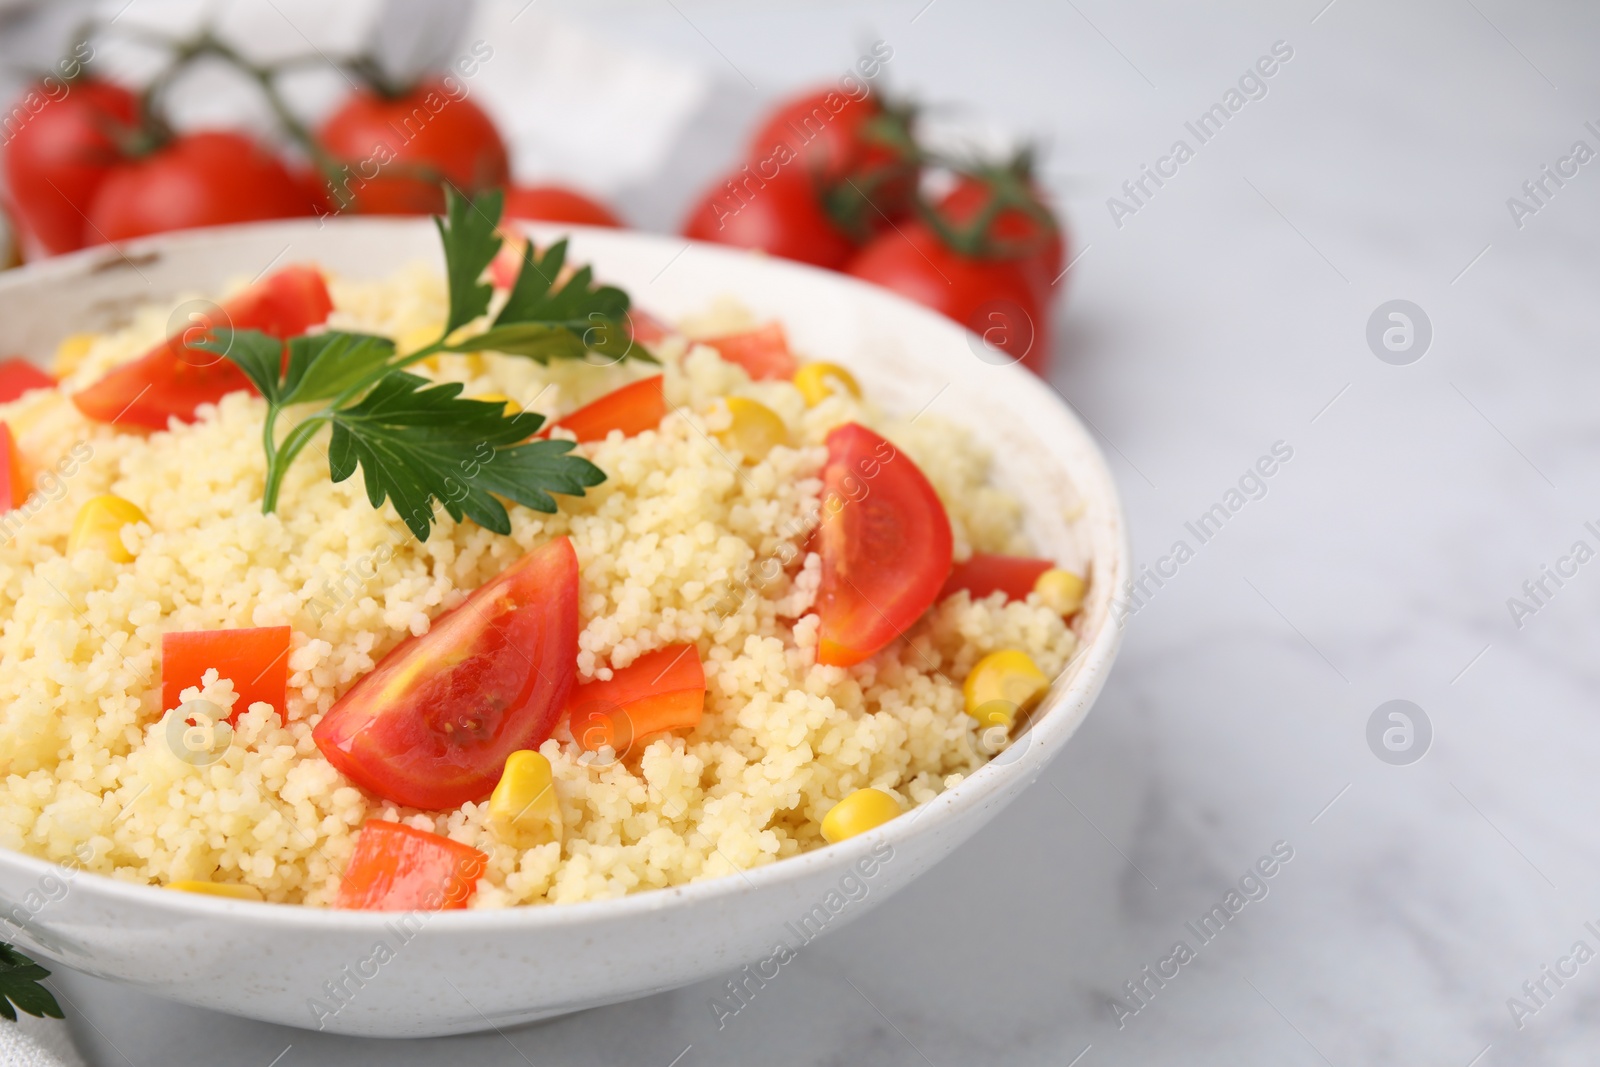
point(1049, 728)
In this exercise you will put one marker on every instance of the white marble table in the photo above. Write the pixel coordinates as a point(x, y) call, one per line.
point(1227, 313)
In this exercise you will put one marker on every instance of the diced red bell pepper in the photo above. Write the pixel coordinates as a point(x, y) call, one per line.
point(661, 690)
point(763, 352)
point(984, 573)
point(257, 661)
point(397, 868)
point(13, 485)
point(173, 378)
point(18, 376)
point(633, 409)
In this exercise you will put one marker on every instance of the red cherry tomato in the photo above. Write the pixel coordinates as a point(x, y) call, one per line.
point(994, 298)
point(57, 157)
point(1041, 246)
point(256, 660)
point(556, 203)
point(199, 179)
point(18, 376)
point(433, 723)
point(397, 150)
point(983, 573)
point(661, 690)
point(885, 544)
point(861, 154)
point(173, 379)
point(777, 209)
point(314, 187)
point(633, 409)
point(762, 352)
point(399, 868)
point(13, 480)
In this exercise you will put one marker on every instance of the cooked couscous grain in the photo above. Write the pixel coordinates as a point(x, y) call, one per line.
point(670, 549)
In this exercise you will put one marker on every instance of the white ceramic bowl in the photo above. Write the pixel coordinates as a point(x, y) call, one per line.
point(456, 972)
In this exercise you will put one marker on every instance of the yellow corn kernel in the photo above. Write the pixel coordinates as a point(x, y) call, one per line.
point(1061, 591)
point(522, 809)
point(71, 350)
point(1001, 685)
point(818, 381)
point(512, 407)
point(754, 429)
point(231, 890)
point(99, 525)
point(857, 813)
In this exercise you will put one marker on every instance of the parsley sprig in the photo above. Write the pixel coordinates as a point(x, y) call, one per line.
point(420, 444)
point(19, 986)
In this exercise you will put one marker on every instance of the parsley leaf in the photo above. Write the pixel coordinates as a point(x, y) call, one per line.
point(19, 985)
point(320, 366)
point(417, 442)
point(544, 322)
point(470, 243)
point(421, 445)
point(253, 352)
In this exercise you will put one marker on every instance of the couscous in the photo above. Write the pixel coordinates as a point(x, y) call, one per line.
point(714, 652)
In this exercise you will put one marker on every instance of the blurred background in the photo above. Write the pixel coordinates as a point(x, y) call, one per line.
point(1372, 260)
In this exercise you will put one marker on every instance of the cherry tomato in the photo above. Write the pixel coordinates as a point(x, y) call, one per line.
point(395, 867)
point(56, 158)
point(556, 203)
point(1033, 235)
point(18, 376)
point(173, 379)
point(433, 723)
point(762, 352)
point(994, 298)
point(314, 187)
point(984, 573)
point(777, 209)
point(210, 178)
point(661, 690)
point(397, 150)
point(257, 661)
point(861, 154)
point(13, 480)
point(885, 543)
point(633, 409)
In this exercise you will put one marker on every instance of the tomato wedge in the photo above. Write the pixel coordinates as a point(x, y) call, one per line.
point(661, 690)
point(397, 868)
point(173, 379)
point(885, 544)
point(763, 352)
point(985, 573)
point(647, 329)
point(18, 376)
point(257, 661)
point(432, 725)
point(13, 483)
point(633, 409)
point(507, 263)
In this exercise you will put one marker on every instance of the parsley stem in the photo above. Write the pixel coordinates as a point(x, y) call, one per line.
point(280, 461)
point(382, 372)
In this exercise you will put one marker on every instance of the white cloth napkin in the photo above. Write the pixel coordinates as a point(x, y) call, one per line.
point(31, 1042)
